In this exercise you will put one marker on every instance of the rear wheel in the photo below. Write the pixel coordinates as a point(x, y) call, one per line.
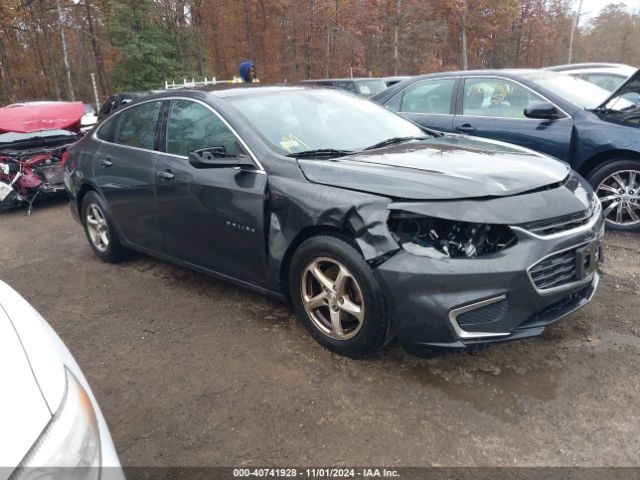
point(617, 185)
point(99, 228)
point(337, 297)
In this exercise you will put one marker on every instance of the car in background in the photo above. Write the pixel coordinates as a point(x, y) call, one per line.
point(33, 140)
point(370, 225)
point(118, 100)
point(389, 81)
point(606, 75)
point(365, 87)
point(52, 426)
point(563, 116)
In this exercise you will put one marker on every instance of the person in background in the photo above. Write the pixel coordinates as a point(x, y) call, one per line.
point(248, 72)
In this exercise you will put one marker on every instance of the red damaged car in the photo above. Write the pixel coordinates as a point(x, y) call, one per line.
point(33, 141)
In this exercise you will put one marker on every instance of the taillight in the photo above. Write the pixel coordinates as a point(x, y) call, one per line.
point(65, 157)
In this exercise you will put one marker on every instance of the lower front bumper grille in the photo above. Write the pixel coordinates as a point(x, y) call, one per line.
point(491, 313)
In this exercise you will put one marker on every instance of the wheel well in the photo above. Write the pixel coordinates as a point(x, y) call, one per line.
point(303, 235)
point(84, 189)
point(600, 159)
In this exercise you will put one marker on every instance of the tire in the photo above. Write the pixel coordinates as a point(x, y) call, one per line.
point(617, 184)
point(98, 228)
point(322, 309)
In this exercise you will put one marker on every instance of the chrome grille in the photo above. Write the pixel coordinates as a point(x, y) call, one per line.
point(564, 223)
point(555, 271)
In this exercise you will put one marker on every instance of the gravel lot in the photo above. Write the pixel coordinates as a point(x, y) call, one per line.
point(191, 371)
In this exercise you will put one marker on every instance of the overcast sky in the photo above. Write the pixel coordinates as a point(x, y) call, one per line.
point(592, 8)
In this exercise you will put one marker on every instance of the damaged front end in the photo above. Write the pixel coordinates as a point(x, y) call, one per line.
point(32, 165)
point(440, 238)
point(459, 282)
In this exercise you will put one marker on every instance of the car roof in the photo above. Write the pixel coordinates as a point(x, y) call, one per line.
point(582, 66)
point(254, 90)
point(501, 72)
point(229, 91)
point(340, 79)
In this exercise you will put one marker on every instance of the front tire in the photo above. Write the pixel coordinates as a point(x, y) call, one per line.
point(336, 296)
point(99, 228)
point(617, 185)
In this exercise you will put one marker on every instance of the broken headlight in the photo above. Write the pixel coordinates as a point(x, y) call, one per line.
point(439, 238)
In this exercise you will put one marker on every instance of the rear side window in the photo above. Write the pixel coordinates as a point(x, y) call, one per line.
point(137, 126)
point(193, 126)
point(106, 131)
point(431, 96)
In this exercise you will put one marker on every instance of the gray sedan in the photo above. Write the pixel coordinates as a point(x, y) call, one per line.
point(371, 226)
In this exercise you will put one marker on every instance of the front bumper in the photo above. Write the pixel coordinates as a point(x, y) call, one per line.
point(459, 303)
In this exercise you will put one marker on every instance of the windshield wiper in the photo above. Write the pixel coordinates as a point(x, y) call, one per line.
point(321, 153)
point(630, 108)
point(393, 141)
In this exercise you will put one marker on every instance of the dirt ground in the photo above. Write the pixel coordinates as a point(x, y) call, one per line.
point(191, 371)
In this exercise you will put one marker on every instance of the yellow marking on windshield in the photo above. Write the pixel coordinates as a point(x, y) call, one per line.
point(290, 142)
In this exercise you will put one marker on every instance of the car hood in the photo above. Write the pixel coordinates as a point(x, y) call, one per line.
point(629, 86)
point(443, 168)
point(23, 410)
point(41, 116)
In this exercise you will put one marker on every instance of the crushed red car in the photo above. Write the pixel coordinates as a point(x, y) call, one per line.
point(33, 142)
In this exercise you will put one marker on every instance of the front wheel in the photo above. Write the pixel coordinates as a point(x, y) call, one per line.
point(617, 185)
point(337, 297)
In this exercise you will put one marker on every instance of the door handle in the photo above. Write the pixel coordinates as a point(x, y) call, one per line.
point(166, 175)
point(105, 162)
point(465, 127)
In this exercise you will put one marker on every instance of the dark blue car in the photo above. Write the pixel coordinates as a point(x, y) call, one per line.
point(568, 118)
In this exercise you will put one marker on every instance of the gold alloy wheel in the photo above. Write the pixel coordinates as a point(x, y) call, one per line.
point(97, 227)
point(332, 298)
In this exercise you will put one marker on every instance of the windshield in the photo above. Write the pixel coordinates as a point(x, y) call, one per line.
point(628, 99)
point(369, 88)
point(574, 90)
point(299, 120)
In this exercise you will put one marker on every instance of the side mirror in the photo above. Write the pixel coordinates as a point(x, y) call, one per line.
point(542, 111)
point(217, 157)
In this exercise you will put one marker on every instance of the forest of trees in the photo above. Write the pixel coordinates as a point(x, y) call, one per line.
point(138, 44)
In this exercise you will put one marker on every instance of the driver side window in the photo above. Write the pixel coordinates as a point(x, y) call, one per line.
point(496, 97)
point(193, 126)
